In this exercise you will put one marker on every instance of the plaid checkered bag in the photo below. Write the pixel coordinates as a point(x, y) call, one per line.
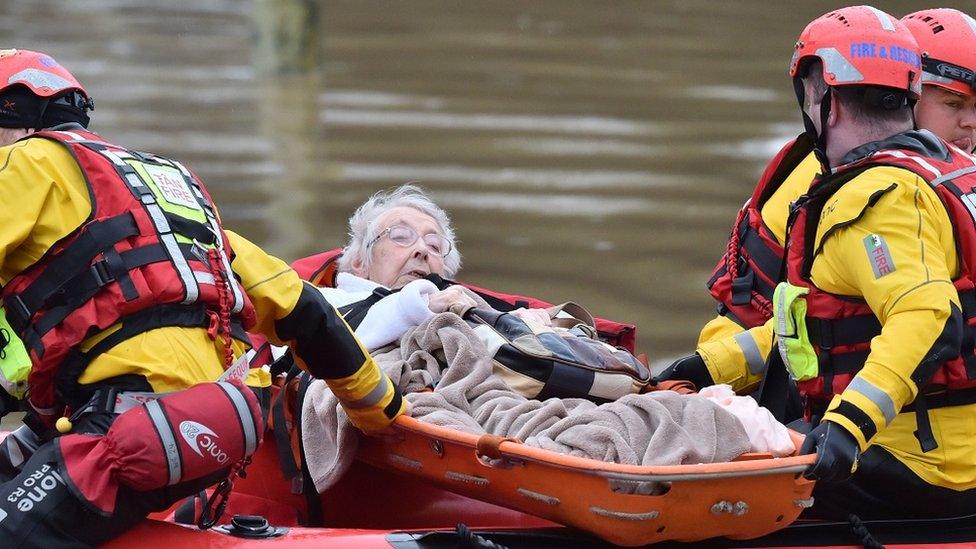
point(565, 360)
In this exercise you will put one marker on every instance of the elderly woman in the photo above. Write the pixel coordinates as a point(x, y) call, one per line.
point(396, 239)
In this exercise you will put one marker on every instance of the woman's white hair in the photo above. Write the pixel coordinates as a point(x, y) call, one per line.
point(363, 229)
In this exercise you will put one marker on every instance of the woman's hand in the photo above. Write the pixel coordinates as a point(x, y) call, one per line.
point(454, 296)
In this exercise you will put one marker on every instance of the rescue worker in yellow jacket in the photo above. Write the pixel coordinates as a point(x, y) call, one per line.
point(874, 324)
point(743, 281)
point(121, 285)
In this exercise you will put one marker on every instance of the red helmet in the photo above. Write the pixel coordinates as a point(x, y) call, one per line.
point(37, 92)
point(947, 38)
point(861, 46)
point(41, 74)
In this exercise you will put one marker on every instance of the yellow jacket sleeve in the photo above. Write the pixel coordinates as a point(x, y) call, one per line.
point(43, 197)
point(739, 358)
point(293, 312)
point(717, 328)
point(885, 237)
point(733, 355)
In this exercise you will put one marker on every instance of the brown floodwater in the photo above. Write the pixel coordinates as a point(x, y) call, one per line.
point(587, 151)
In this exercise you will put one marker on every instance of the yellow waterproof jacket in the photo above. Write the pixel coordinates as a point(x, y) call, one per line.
point(914, 303)
point(44, 197)
point(733, 355)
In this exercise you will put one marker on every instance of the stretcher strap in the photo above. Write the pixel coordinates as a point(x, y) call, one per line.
point(312, 501)
point(282, 435)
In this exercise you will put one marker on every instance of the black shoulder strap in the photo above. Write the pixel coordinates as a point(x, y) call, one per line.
point(355, 313)
point(777, 392)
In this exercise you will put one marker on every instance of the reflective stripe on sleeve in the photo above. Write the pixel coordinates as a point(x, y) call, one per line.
point(878, 397)
point(749, 348)
point(373, 397)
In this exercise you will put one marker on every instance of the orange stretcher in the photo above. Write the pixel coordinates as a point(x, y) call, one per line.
point(754, 495)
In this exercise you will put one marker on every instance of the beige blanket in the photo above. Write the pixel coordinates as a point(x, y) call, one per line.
point(661, 428)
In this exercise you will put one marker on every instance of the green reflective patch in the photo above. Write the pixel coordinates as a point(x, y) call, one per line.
point(790, 327)
point(15, 363)
point(172, 192)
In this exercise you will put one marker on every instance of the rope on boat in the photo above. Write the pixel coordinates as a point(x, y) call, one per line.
point(548, 500)
point(470, 479)
point(622, 515)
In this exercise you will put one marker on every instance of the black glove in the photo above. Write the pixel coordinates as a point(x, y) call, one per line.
point(691, 368)
point(837, 453)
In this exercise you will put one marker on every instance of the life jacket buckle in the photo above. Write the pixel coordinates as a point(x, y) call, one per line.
point(742, 287)
point(4, 341)
point(218, 241)
point(199, 251)
point(100, 271)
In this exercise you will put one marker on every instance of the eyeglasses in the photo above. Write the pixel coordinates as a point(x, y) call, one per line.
point(404, 235)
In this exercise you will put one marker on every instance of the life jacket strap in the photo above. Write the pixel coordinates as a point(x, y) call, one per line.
point(766, 259)
point(843, 331)
point(97, 238)
point(742, 287)
point(967, 350)
point(355, 313)
point(193, 316)
point(924, 434)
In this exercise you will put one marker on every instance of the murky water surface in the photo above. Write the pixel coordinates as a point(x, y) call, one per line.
point(588, 151)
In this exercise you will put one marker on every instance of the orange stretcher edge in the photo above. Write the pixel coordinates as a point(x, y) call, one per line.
point(752, 496)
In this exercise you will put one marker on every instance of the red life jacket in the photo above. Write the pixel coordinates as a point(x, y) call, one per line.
point(150, 254)
point(745, 277)
point(841, 328)
point(321, 269)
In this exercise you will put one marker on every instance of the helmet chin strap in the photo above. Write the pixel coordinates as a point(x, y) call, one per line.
point(819, 138)
point(821, 147)
point(38, 123)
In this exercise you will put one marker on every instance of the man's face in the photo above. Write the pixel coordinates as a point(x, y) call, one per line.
point(949, 115)
point(394, 265)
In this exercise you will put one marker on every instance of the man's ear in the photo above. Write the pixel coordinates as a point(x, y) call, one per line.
point(837, 110)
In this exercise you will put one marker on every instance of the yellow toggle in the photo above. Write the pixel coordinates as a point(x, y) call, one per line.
point(63, 425)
